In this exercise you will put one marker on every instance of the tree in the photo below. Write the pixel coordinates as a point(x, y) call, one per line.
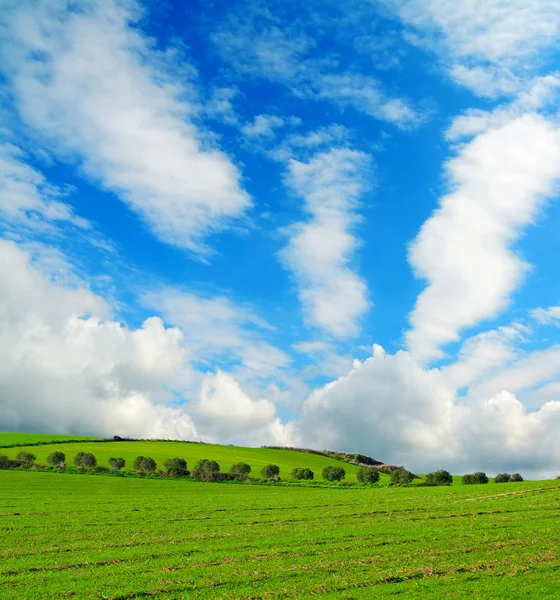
point(367, 475)
point(303, 474)
point(474, 478)
point(440, 477)
point(56, 459)
point(145, 464)
point(205, 466)
point(516, 477)
point(401, 477)
point(333, 473)
point(270, 472)
point(176, 467)
point(85, 460)
point(116, 464)
point(240, 470)
point(502, 478)
point(26, 458)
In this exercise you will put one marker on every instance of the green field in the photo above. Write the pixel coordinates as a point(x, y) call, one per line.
point(70, 536)
point(9, 438)
point(226, 456)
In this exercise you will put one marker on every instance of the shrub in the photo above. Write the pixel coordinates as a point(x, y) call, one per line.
point(270, 472)
point(304, 474)
point(332, 473)
point(516, 477)
point(56, 459)
point(117, 464)
point(475, 478)
point(240, 470)
point(440, 477)
point(101, 469)
point(502, 478)
point(85, 460)
point(176, 467)
point(205, 466)
point(401, 477)
point(367, 475)
point(26, 458)
point(145, 464)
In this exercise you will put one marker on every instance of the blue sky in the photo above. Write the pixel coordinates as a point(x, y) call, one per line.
point(329, 224)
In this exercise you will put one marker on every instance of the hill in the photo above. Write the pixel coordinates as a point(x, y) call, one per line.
point(226, 456)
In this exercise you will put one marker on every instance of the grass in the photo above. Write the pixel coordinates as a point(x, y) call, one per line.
point(102, 537)
point(10, 438)
point(192, 451)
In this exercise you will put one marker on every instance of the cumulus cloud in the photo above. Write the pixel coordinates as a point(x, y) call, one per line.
point(92, 86)
point(320, 250)
point(465, 249)
point(547, 316)
point(490, 46)
point(67, 367)
point(394, 409)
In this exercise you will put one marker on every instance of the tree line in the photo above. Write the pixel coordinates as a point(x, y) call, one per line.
point(209, 470)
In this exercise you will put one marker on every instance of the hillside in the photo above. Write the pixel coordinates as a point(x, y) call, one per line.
point(226, 456)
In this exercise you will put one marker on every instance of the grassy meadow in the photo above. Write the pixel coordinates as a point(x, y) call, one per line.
point(105, 537)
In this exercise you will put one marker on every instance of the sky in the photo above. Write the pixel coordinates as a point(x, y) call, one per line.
point(322, 224)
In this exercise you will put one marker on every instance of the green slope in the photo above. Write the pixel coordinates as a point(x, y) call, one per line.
point(192, 452)
point(8, 438)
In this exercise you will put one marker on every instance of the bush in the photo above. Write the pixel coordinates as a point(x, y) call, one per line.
point(145, 464)
point(270, 472)
point(205, 466)
point(100, 470)
point(26, 458)
point(502, 478)
point(440, 477)
point(367, 475)
point(117, 464)
point(176, 467)
point(56, 459)
point(84, 460)
point(516, 477)
point(401, 477)
point(475, 478)
point(332, 473)
point(240, 470)
point(303, 474)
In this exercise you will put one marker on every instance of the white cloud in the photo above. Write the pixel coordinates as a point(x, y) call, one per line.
point(395, 410)
point(464, 250)
point(92, 85)
point(26, 198)
point(258, 44)
point(547, 316)
point(264, 125)
point(219, 329)
point(490, 46)
point(320, 250)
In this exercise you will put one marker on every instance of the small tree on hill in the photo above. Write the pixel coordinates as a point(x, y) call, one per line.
point(367, 475)
point(145, 464)
point(475, 478)
point(176, 467)
point(240, 470)
point(401, 477)
point(56, 459)
point(502, 478)
point(516, 477)
point(26, 458)
point(303, 474)
point(85, 460)
point(270, 472)
point(117, 464)
point(440, 477)
point(206, 466)
point(333, 473)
